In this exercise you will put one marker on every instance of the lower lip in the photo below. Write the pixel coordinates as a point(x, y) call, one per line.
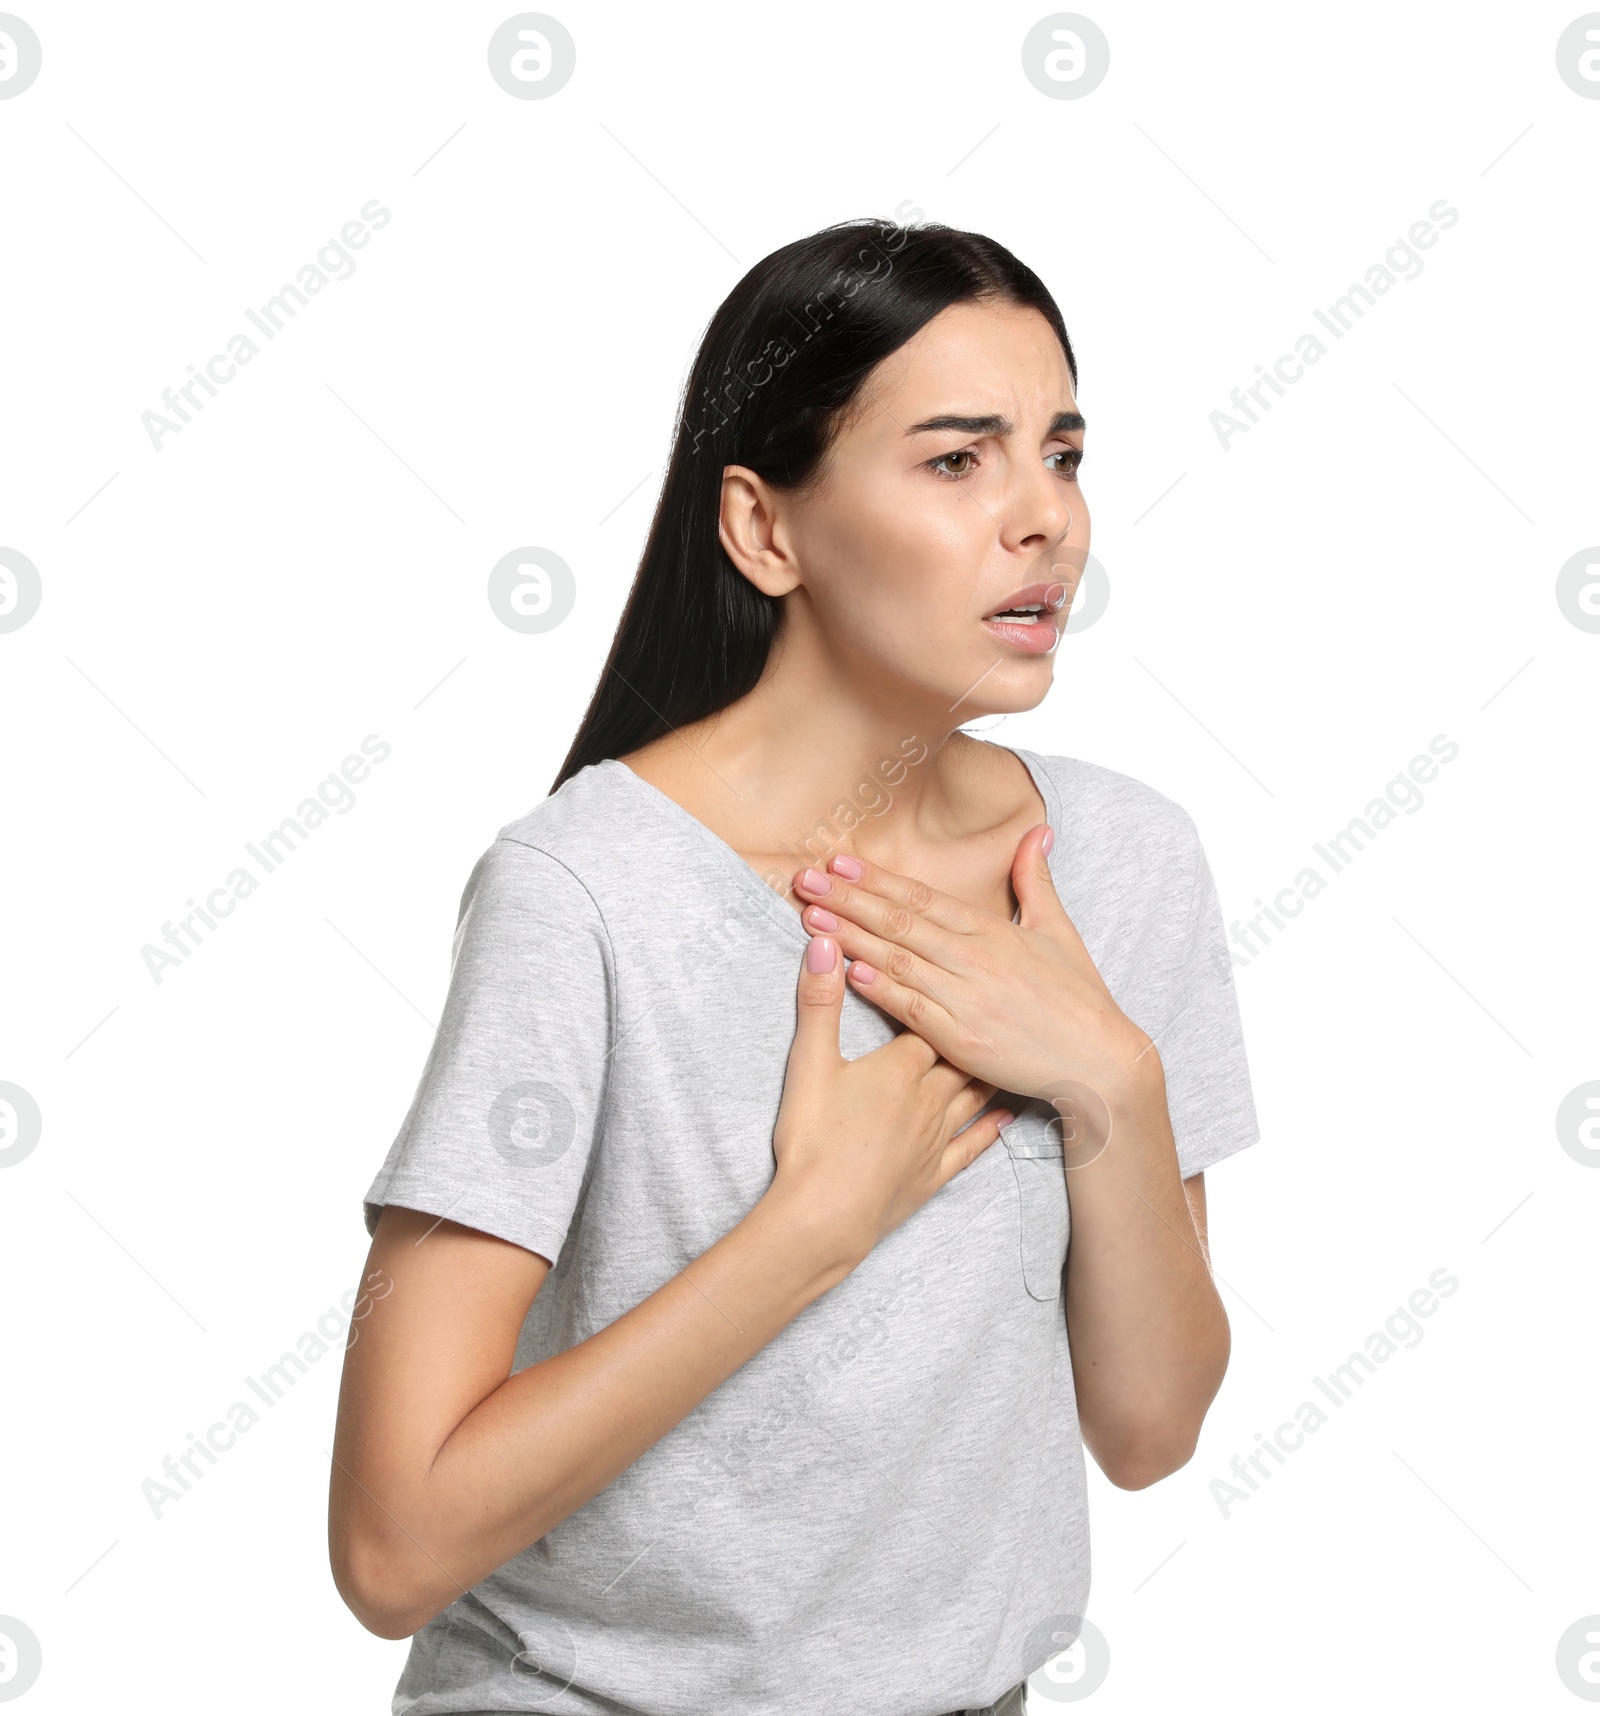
point(1036, 639)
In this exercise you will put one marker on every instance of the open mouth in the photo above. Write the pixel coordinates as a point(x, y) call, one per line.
point(1027, 621)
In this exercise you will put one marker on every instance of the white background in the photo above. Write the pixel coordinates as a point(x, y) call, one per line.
point(1291, 620)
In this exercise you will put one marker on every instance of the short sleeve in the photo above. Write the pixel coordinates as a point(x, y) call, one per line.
point(1201, 1045)
point(501, 1129)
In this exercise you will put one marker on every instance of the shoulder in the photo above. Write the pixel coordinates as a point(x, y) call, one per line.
point(1129, 868)
point(577, 832)
point(1114, 816)
point(547, 865)
point(576, 824)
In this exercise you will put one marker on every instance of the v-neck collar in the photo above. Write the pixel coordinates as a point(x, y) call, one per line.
point(786, 920)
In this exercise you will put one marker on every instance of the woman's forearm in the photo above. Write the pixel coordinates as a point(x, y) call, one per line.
point(553, 1436)
point(1148, 1333)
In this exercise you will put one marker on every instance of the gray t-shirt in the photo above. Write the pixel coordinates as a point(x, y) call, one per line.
point(883, 1509)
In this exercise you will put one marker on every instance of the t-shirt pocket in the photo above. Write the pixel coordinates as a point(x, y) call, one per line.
point(1033, 1141)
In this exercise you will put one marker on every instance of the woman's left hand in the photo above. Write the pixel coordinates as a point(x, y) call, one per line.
point(1018, 1005)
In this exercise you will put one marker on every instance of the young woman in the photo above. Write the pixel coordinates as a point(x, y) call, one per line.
point(723, 1348)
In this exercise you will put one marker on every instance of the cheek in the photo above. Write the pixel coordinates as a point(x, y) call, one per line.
point(910, 563)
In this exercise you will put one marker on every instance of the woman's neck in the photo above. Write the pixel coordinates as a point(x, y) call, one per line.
point(901, 787)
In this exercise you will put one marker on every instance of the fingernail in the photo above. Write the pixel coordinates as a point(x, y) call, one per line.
point(1049, 840)
point(863, 973)
point(821, 955)
point(849, 868)
point(814, 882)
point(820, 919)
point(1005, 1117)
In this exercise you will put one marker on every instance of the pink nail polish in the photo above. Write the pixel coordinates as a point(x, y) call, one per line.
point(819, 919)
point(1049, 840)
point(814, 882)
point(849, 868)
point(863, 973)
point(820, 955)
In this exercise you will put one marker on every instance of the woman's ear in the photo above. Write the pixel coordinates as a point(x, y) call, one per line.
point(751, 532)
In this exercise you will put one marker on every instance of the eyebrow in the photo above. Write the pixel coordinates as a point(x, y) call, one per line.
point(1062, 422)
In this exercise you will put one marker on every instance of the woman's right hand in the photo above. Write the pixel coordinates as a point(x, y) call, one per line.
point(865, 1143)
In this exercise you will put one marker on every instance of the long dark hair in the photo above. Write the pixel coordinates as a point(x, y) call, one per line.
point(780, 364)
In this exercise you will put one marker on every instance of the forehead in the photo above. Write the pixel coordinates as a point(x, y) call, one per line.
point(972, 359)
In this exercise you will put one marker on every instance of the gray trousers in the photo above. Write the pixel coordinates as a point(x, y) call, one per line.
point(1010, 1704)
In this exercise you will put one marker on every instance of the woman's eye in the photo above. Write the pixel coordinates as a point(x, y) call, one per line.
point(1072, 455)
point(965, 453)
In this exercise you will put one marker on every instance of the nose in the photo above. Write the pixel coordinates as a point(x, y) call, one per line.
point(1043, 512)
